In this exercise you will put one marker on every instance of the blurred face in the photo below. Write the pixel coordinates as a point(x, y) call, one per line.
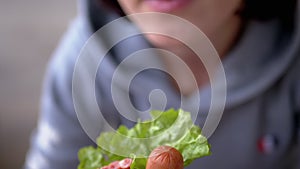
point(216, 18)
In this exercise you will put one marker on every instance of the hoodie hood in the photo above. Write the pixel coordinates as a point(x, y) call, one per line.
point(263, 54)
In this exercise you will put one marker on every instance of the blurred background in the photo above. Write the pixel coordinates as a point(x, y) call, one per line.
point(29, 32)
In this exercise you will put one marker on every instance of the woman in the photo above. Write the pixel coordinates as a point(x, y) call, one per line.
point(258, 43)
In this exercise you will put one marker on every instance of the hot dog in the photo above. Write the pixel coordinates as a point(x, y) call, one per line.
point(123, 164)
point(162, 157)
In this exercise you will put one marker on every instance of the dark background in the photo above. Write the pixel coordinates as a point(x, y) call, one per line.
point(29, 32)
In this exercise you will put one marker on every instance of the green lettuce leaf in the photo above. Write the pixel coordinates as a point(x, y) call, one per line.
point(90, 158)
point(173, 127)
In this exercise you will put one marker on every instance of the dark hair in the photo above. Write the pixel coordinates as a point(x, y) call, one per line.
point(268, 9)
point(264, 10)
point(253, 9)
point(112, 5)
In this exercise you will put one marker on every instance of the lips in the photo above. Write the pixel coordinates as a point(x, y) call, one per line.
point(166, 5)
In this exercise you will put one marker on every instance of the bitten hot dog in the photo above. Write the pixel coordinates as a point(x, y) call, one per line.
point(162, 157)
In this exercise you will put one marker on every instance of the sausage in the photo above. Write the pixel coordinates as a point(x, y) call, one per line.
point(165, 157)
point(162, 157)
point(123, 164)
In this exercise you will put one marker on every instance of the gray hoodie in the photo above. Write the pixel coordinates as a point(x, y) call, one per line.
point(260, 124)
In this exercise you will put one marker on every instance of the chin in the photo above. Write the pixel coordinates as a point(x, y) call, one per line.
point(163, 42)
